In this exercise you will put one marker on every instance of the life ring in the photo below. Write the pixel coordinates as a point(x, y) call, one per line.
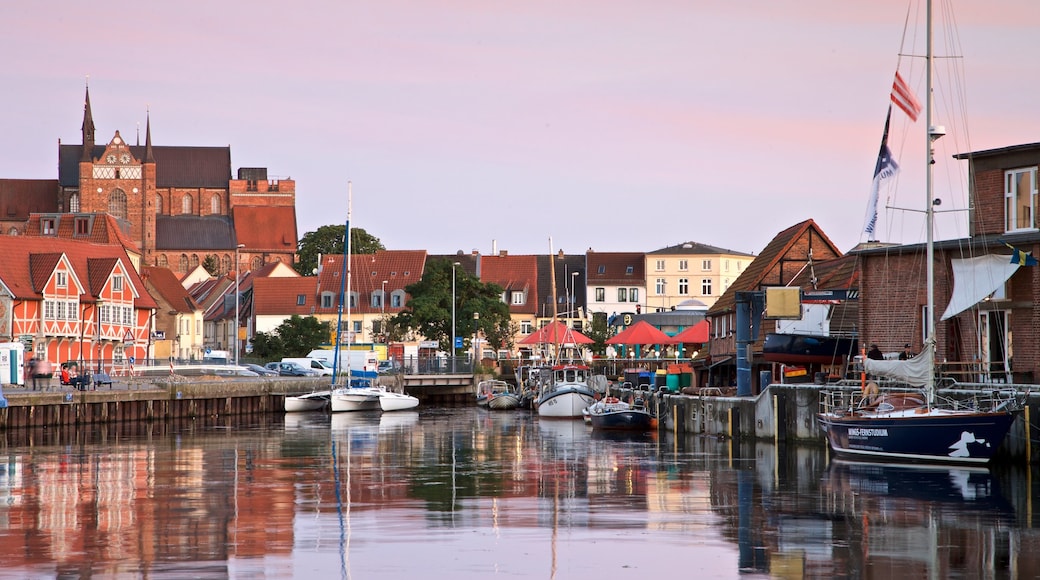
point(610, 400)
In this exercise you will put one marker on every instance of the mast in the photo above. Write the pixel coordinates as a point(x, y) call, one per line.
point(552, 279)
point(344, 291)
point(934, 133)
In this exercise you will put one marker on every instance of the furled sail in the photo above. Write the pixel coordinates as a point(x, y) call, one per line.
point(976, 278)
point(914, 371)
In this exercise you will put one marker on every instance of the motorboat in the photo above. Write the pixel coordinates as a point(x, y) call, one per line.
point(567, 393)
point(614, 414)
point(497, 395)
point(315, 401)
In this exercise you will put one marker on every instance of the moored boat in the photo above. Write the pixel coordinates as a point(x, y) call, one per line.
point(315, 401)
point(567, 393)
point(391, 401)
point(612, 414)
point(497, 395)
point(347, 399)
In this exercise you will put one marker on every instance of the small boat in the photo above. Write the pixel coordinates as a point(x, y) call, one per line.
point(315, 401)
point(391, 401)
point(346, 399)
point(614, 414)
point(497, 395)
point(567, 393)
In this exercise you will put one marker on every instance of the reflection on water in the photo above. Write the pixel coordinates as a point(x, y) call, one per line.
point(449, 493)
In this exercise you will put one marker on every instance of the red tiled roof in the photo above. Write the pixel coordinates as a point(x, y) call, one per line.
point(513, 274)
point(26, 260)
point(102, 228)
point(22, 197)
point(281, 296)
point(400, 268)
point(769, 268)
point(265, 228)
point(165, 283)
point(615, 267)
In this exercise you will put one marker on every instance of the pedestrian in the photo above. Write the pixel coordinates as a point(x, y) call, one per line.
point(875, 353)
point(32, 371)
point(907, 354)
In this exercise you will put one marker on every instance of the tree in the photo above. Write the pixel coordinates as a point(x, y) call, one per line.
point(295, 337)
point(429, 310)
point(211, 264)
point(329, 240)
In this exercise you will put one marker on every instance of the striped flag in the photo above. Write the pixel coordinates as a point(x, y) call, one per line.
point(886, 167)
point(903, 97)
point(1020, 257)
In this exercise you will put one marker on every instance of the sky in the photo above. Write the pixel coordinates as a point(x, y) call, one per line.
point(526, 126)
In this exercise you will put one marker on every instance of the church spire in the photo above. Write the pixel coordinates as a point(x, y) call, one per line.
point(148, 158)
point(88, 129)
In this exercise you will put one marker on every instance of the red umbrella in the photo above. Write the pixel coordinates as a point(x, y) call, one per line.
point(641, 332)
point(557, 332)
point(696, 334)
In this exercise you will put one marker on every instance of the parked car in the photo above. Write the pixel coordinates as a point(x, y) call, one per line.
point(389, 366)
point(261, 371)
point(290, 369)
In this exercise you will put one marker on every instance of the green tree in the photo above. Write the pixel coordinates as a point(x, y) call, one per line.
point(329, 240)
point(599, 332)
point(295, 337)
point(478, 306)
point(212, 265)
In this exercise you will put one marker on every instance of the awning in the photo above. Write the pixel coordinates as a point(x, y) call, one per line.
point(976, 278)
point(724, 359)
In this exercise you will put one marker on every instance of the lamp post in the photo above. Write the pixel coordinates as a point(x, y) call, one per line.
point(574, 294)
point(453, 267)
point(382, 311)
point(97, 322)
point(237, 281)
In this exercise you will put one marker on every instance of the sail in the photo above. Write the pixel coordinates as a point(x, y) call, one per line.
point(976, 278)
point(914, 372)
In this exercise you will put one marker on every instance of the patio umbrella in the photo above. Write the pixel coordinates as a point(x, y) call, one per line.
point(696, 334)
point(640, 333)
point(556, 332)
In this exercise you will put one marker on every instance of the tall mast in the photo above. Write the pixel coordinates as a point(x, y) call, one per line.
point(552, 279)
point(933, 133)
point(344, 294)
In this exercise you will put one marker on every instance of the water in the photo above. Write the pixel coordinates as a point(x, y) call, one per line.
point(464, 493)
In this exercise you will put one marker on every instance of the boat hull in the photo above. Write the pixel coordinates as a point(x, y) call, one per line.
point(934, 437)
point(348, 400)
point(625, 420)
point(565, 402)
point(308, 402)
point(397, 402)
point(807, 349)
point(503, 402)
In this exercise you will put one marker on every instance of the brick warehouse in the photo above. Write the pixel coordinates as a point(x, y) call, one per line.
point(178, 205)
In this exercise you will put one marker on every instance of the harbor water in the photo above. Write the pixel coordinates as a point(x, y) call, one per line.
point(466, 493)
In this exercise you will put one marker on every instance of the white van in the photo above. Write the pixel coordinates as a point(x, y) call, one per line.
point(363, 363)
point(314, 364)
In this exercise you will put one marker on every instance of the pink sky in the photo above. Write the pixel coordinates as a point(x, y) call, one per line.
point(617, 126)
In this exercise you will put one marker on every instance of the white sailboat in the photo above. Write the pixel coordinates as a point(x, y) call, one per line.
point(916, 426)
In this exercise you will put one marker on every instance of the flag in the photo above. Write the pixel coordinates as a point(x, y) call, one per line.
point(903, 97)
point(886, 167)
point(1021, 257)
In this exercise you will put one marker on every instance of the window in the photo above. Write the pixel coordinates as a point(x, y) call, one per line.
point(186, 204)
point(602, 269)
point(377, 300)
point(518, 298)
point(725, 265)
point(601, 294)
point(629, 270)
point(82, 228)
point(684, 265)
point(61, 279)
point(61, 311)
point(47, 226)
point(117, 283)
point(214, 204)
point(103, 312)
point(684, 286)
point(74, 203)
point(706, 265)
point(659, 266)
point(194, 261)
point(396, 299)
point(161, 261)
point(225, 263)
point(326, 300)
point(633, 294)
point(357, 326)
point(659, 286)
point(117, 203)
point(49, 307)
point(1019, 198)
point(158, 204)
point(128, 315)
point(525, 327)
point(13, 231)
point(706, 287)
point(301, 299)
point(622, 295)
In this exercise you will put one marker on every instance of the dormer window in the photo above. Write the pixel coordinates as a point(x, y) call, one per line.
point(47, 226)
point(326, 300)
point(301, 299)
point(82, 226)
point(518, 298)
point(629, 270)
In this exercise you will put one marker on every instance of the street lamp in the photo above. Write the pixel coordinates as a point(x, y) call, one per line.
point(453, 266)
point(574, 294)
point(237, 281)
point(97, 323)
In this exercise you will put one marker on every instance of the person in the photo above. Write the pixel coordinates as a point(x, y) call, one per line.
point(875, 353)
point(906, 354)
point(32, 371)
point(65, 374)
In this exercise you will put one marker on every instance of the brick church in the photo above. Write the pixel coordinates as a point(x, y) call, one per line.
point(178, 204)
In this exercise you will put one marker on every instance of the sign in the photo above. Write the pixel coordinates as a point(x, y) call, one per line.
point(159, 335)
point(458, 342)
point(429, 344)
point(129, 336)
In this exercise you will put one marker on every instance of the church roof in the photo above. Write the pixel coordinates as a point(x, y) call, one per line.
point(187, 232)
point(21, 197)
point(271, 229)
point(191, 167)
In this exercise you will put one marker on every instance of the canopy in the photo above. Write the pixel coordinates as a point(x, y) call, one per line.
point(556, 333)
point(641, 332)
point(696, 334)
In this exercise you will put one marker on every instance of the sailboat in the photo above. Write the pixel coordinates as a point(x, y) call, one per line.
point(909, 425)
point(568, 391)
